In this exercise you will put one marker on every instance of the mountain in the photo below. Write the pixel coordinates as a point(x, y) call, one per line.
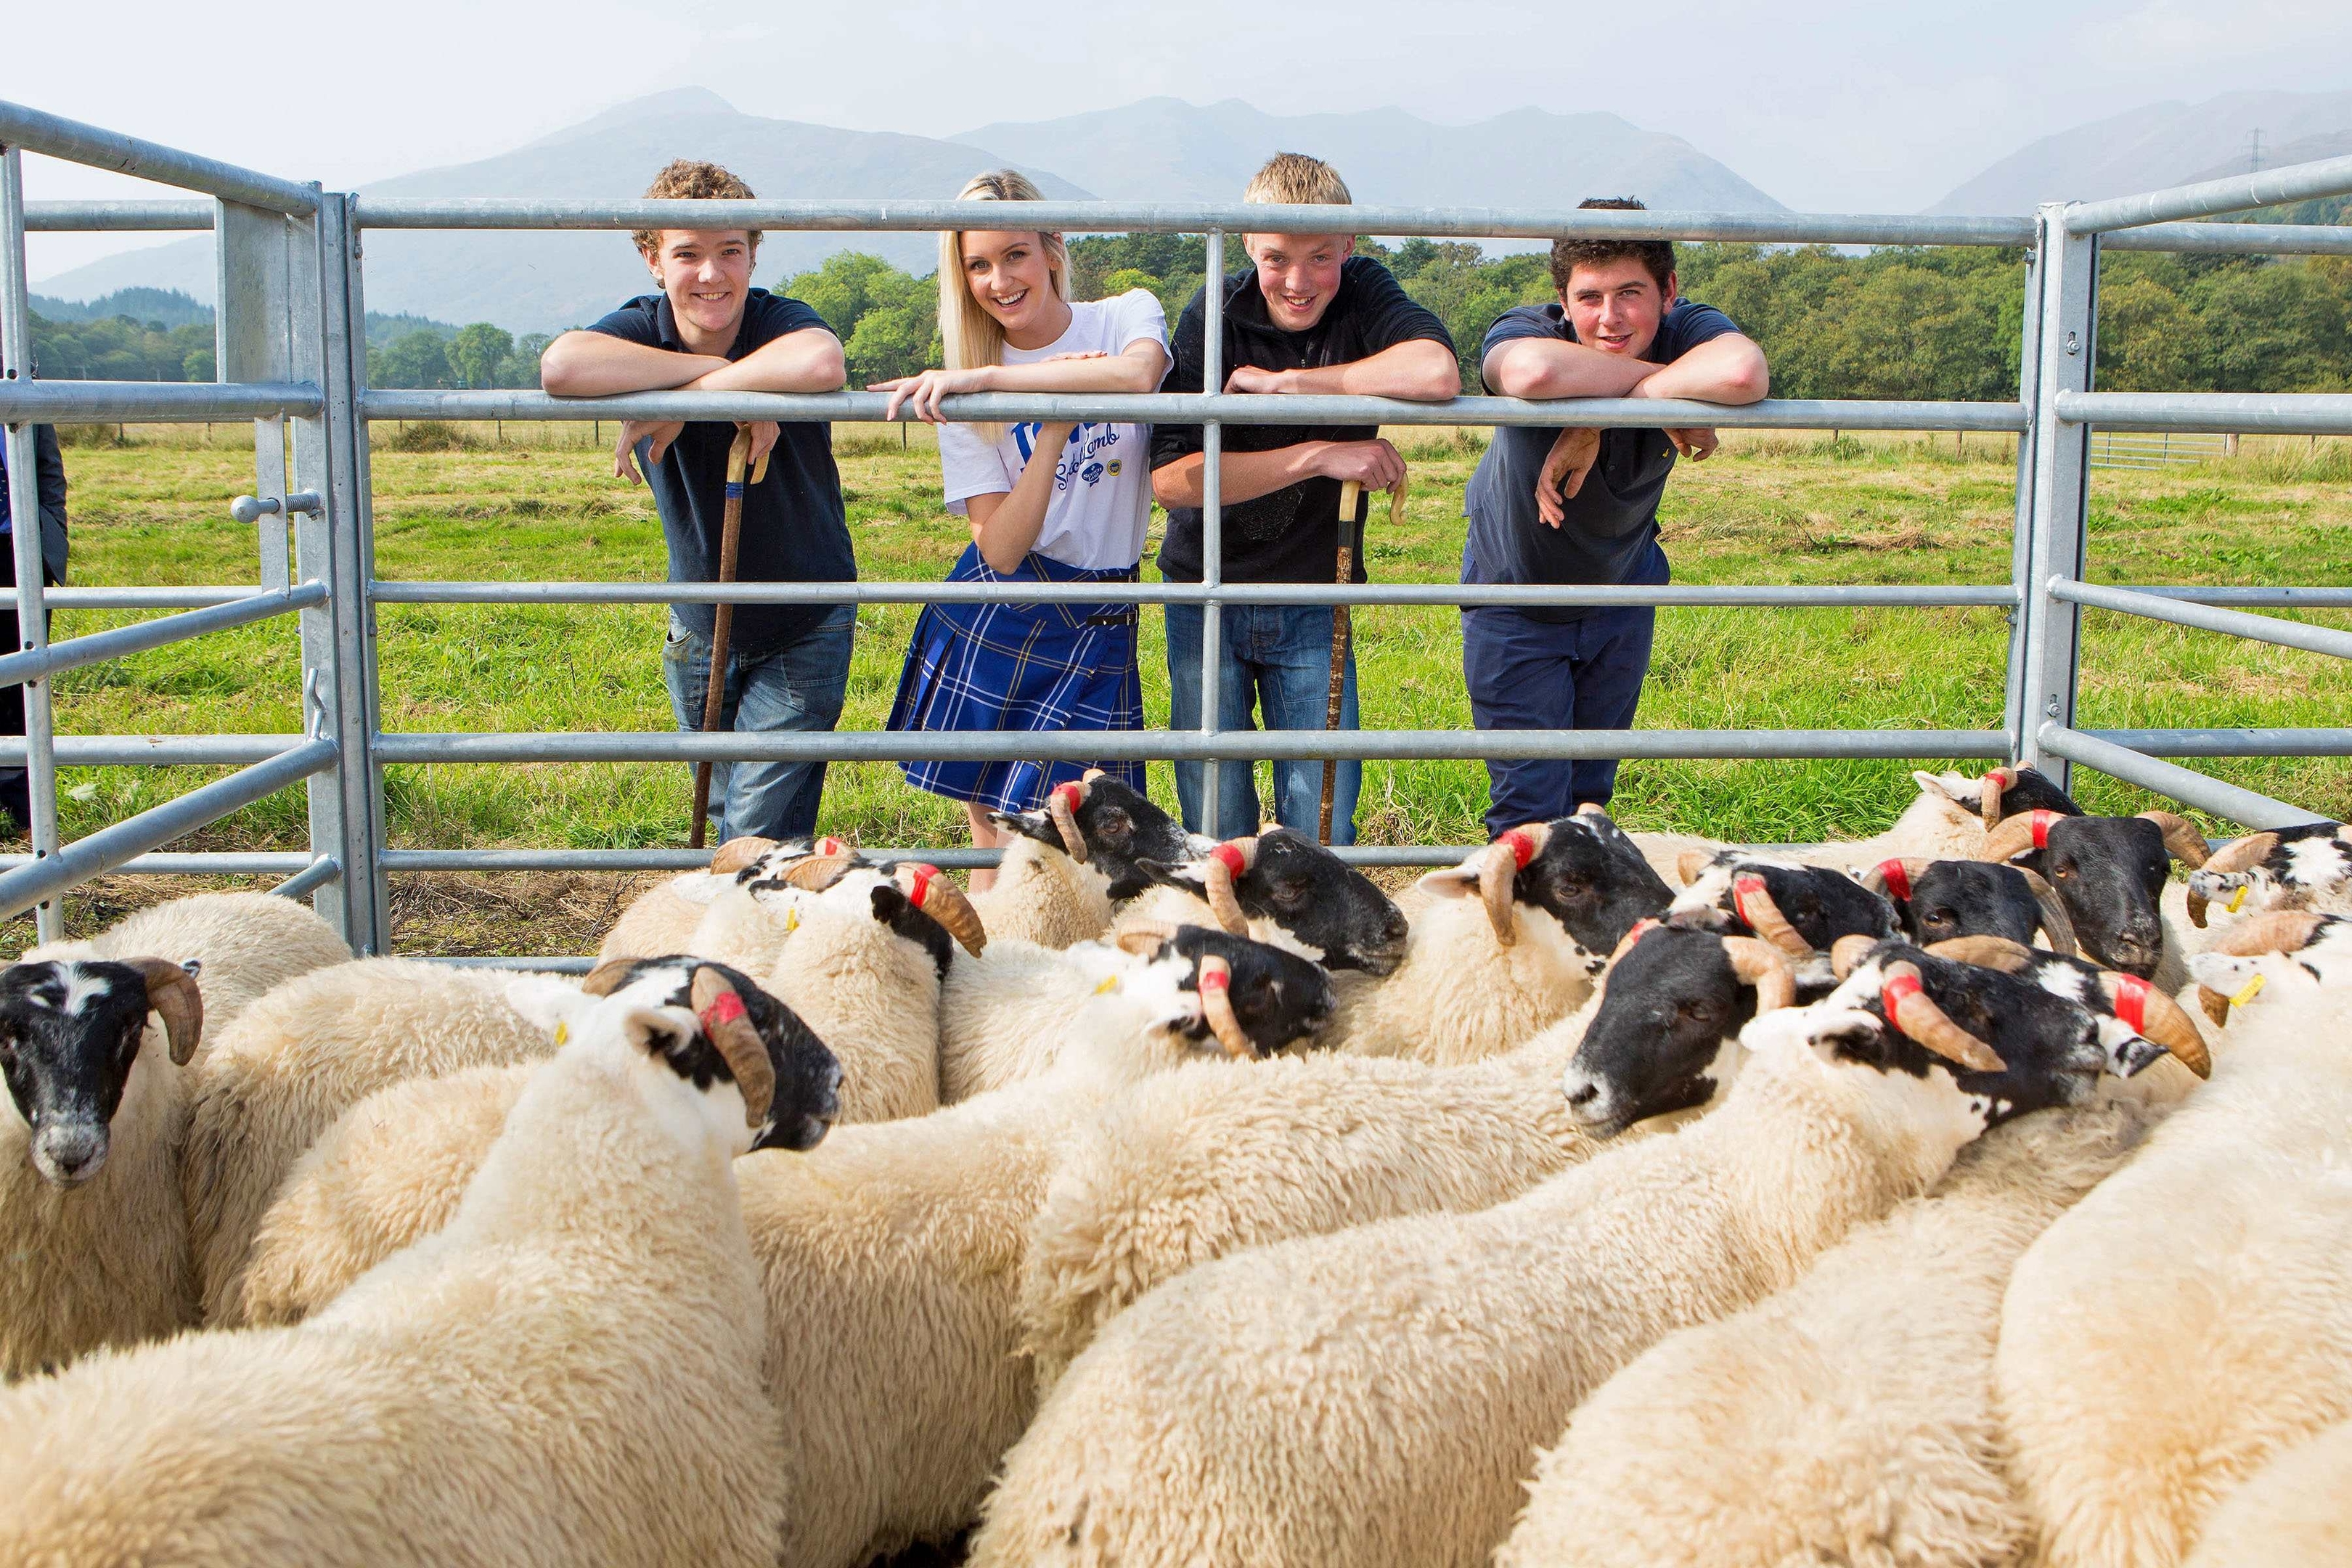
point(2157, 145)
point(1165, 148)
point(542, 282)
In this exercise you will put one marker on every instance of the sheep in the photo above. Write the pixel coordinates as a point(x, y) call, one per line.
point(96, 1035)
point(1001, 1016)
point(1372, 1397)
point(1943, 822)
point(1939, 899)
point(660, 919)
point(571, 1372)
point(2290, 869)
point(1065, 867)
point(2227, 1237)
point(2110, 874)
point(1207, 1160)
point(242, 945)
point(1848, 1418)
point(307, 1052)
point(2297, 1512)
point(891, 1257)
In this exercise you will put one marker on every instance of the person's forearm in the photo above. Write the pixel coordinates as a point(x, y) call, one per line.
point(1008, 530)
point(1726, 370)
point(1532, 368)
point(805, 361)
point(1241, 476)
point(1112, 373)
point(1423, 371)
point(582, 364)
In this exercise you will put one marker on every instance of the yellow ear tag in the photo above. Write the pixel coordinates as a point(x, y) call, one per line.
point(791, 921)
point(2237, 898)
point(2254, 989)
point(562, 1032)
point(1110, 984)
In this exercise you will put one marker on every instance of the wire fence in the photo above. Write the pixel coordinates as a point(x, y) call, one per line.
point(291, 360)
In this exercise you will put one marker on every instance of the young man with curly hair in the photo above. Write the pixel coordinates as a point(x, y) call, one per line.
point(707, 329)
point(1580, 506)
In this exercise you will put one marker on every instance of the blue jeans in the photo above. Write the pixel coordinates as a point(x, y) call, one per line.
point(1276, 659)
point(799, 686)
point(1525, 674)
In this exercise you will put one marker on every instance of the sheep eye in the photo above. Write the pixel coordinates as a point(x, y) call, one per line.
point(1290, 893)
point(2064, 873)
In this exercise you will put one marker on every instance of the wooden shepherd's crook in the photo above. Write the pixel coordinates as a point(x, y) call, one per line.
point(723, 621)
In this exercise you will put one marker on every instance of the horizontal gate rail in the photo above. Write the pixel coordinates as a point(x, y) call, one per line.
point(15, 668)
point(152, 402)
point(1867, 595)
point(117, 218)
point(2203, 790)
point(109, 847)
point(1172, 745)
point(59, 137)
point(2230, 742)
point(133, 596)
point(156, 751)
point(2279, 413)
point(2268, 187)
point(201, 863)
point(2236, 623)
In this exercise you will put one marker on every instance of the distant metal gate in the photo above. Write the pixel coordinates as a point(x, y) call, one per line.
point(291, 350)
point(2155, 449)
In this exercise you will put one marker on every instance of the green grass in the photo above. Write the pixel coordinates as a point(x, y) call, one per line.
point(540, 502)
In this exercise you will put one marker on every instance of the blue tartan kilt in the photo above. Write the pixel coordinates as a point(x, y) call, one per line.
point(1048, 667)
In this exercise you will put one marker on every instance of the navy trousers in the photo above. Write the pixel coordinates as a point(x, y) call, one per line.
point(1525, 674)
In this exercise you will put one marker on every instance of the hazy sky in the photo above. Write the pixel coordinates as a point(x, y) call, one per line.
point(1826, 104)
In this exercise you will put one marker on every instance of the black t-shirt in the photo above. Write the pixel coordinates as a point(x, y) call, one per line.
point(1293, 534)
point(794, 530)
point(1610, 536)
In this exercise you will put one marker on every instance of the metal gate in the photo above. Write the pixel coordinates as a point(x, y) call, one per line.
point(292, 350)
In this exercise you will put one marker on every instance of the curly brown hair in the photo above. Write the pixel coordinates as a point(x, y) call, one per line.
point(687, 179)
point(1656, 256)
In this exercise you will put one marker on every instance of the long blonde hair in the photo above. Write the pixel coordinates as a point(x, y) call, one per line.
point(969, 336)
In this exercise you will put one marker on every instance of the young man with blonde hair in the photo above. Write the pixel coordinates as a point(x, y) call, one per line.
point(1307, 316)
point(708, 329)
point(1581, 505)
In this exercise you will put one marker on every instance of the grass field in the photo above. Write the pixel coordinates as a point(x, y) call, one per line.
point(539, 502)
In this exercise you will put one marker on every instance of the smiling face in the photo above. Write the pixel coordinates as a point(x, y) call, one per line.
point(1298, 274)
point(707, 273)
point(1010, 274)
point(1616, 306)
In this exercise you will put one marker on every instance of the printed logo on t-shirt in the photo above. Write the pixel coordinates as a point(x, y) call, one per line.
point(1076, 461)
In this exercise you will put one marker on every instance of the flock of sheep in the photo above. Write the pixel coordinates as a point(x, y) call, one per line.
point(1611, 1198)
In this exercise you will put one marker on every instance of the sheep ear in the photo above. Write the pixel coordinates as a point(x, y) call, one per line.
point(659, 1031)
point(1952, 786)
point(547, 1001)
point(1453, 882)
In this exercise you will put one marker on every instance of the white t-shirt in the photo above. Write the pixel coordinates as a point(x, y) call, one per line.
point(1102, 485)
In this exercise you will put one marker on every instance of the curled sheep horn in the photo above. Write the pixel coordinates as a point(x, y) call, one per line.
point(2055, 923)
point(1217, 1007)
point(2157, 1018)
point(1915, 1013)
point(1061, 804)
point(2277, 931)
point(1994, 785)
point(1226, 861)
point(737, 853)
point(172, 996)
point(2238, 855)
point(1625, 943)
point(1146, 938)
point(1089, 777)
point(815, 873)
point(1765, 968)
point(944, 902)
point(729, 1028)
point(1847, 952)
point(1690, 863)
point(1894, 879)
point(2016, 835)
point(606, 977)
point(1752, 903)
point(1985, 952)
point(1498, 871)
point(2182, 837)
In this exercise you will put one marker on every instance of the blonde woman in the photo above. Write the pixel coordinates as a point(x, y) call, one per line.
point(1052, 503)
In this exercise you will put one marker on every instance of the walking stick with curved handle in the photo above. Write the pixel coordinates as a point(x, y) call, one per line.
point(723, 620)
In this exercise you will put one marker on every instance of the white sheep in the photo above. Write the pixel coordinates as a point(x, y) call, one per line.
point(660, 920)
point(1848, 1418)
point(571, 1372)
point(2226, 1241)
point(1372, 1397)
point(307, 1052)
point(892, 1256)
point(95, 1035)
point(1945, 821)
point(1067, 866)
point(2308, 867)
point(2295, 1512)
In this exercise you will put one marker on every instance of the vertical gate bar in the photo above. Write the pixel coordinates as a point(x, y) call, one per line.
point(2068, 277)
point(1213, 526)
point(2020, 552)
point(25, 526)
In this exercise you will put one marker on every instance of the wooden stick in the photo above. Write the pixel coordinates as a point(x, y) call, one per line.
point(1349, 490)
point(723, 621)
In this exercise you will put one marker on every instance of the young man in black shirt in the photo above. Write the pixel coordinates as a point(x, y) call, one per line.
point(709, 331)
point(1581, 506)
point(1307, 316)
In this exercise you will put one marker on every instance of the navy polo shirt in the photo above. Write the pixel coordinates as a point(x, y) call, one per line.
point(1610, 536)
point(794, 530)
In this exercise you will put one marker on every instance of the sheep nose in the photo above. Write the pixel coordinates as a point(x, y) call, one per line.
point(1581, 1092)
point(71, 1153)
